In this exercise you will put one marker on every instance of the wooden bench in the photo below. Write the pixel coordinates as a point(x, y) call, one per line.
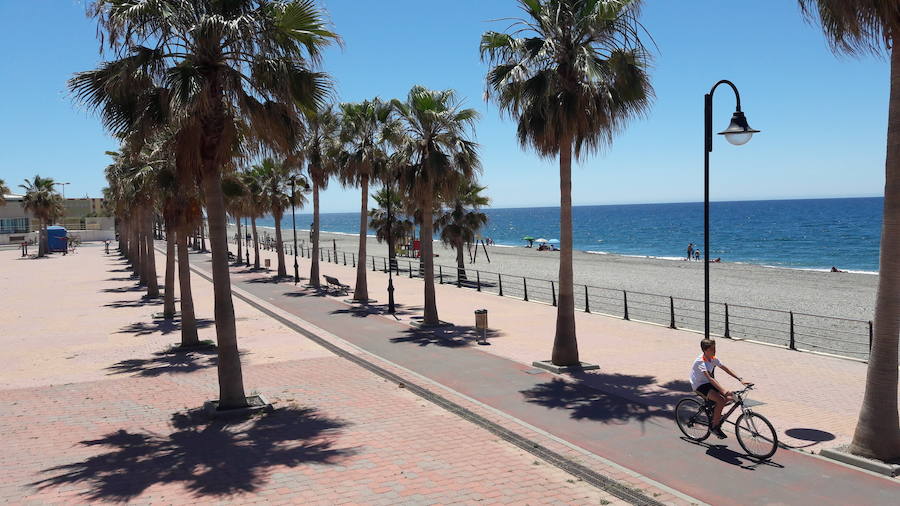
point(334, 283)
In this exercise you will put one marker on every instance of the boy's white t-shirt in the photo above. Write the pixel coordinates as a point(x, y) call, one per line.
point(699, 367)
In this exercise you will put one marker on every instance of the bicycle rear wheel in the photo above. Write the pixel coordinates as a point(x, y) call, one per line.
point(756, 435)
point(692, 419)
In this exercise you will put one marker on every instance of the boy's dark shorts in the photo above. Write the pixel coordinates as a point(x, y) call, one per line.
point(705, 388)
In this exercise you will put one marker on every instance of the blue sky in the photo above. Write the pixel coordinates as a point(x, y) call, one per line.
point(823, 118)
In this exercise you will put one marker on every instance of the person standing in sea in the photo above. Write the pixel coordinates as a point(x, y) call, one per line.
point(690, 251)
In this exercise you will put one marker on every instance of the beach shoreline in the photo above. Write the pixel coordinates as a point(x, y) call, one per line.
point(810, 291)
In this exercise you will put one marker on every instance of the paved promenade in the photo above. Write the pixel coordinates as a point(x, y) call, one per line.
point(636, 389)
point(96, 410)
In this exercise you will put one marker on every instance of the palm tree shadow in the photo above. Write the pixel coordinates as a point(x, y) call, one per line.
point(209, 457)
point(608, 398)
point(135, 303)
point(364, 310)
point(171, 360)
point(272, 279)
point(161, 326)
point(448, 337)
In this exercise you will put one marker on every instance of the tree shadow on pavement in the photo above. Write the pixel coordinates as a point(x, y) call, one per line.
point(171, 360)
point(162, 326)
point(586, 402)
point(364, 310)
point(135, 303)
point(124, 289)
point(448, 337)
point(272, 279)
point(812, 436)
point(210, 458)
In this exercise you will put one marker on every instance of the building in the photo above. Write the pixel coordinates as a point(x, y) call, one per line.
point(84, 217)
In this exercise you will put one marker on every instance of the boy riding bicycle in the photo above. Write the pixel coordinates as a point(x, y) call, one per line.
point(703, 382)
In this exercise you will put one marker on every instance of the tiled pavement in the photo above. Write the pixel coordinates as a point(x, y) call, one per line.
point(94, 410)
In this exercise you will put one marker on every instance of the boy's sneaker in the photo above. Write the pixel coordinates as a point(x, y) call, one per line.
point(718, 432)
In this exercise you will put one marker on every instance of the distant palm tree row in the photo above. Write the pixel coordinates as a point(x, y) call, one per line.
point(220, 107)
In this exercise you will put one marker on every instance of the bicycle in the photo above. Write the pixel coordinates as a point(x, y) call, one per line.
point(755, 433)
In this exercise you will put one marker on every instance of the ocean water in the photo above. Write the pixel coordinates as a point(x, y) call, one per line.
point(800, 234)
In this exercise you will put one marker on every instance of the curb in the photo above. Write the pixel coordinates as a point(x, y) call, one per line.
point(890, 470)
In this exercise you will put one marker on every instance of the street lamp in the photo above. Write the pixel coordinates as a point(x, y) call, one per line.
point(63, 188)
point(390, 289)
point(247, 240)
point(737, 133)
point(294, 228)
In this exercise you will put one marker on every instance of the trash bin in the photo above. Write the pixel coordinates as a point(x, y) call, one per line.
point(268, 263)
point(481, 323)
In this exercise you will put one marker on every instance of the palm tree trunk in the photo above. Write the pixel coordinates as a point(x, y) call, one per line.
point(565, 346)
point(240, 238)
point(255, 244)
point(279, 246)
point(169, 300)
point(141, 259)
point(361, 293)
point(460, 261)
point(231, 382)
point(150, 260)
point(877, 432)
point(427, 260)
point(203, 236)
point(314, 265)
point(186, 298)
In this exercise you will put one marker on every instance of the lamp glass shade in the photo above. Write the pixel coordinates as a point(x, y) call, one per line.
point(738, 131)
point(738, 138)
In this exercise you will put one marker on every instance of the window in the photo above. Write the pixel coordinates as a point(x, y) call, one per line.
point(13, 225)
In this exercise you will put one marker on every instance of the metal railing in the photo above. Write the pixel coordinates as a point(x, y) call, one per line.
point(844, 337)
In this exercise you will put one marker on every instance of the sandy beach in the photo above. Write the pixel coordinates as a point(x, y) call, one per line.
point(844, 295)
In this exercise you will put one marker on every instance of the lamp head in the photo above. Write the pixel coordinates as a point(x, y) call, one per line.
point(738, 131)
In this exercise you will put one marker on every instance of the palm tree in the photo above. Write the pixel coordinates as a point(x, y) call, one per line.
point(393, 230)
point(572, 73)
point(367, 129)
point(858, 27)
point(460, 223)
point(220, 61)
point(439, 155)
point(320, 147)
point(276, 187)
point(45, 203)
point(255, 204)
point(3, 191)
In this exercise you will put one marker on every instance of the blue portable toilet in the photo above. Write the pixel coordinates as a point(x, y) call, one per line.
point(56, 239)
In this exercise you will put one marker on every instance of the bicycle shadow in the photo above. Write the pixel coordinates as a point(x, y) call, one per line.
point(722, 452)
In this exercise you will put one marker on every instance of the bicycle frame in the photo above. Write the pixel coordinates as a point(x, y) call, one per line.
point(738, 403)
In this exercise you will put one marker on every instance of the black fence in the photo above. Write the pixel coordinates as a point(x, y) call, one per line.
point(796, 331)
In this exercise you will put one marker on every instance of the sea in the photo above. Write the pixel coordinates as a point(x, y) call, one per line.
point(814, 234)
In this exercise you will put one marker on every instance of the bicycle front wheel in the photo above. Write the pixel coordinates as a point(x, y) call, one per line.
point(756, 435)
point(692, 419)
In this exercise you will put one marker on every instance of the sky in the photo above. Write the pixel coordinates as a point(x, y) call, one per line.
point(823, 117)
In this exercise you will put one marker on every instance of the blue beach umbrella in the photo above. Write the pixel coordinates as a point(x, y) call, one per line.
point(553, 241)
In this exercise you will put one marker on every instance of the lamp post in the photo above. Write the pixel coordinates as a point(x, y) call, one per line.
point(294, 228)
point(63, 188)
point(737, 133)
point(390, 289)
point(247, 240)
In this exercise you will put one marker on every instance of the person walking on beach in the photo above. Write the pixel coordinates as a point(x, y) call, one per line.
point(697, 254)
point(690, 252)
